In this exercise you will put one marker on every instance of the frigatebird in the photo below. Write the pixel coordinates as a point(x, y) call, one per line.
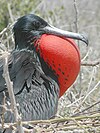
point(43, 65)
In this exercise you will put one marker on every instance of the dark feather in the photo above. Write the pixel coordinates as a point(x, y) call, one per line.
point(36, 93)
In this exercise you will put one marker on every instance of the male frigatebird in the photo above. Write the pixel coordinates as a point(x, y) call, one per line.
point(44, 64)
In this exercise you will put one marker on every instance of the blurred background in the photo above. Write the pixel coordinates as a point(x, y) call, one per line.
point(82, 16)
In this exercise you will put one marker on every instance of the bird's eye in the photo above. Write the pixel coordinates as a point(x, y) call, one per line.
point(36, 25)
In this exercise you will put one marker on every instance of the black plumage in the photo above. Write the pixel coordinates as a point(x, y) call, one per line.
point(36, 93)
point(35, 84)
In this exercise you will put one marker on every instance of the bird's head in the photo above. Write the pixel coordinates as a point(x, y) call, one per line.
point(53, 45)
point(27, 29)
point(30, 27)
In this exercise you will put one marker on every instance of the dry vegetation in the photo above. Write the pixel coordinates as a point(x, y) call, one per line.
point(82, 100)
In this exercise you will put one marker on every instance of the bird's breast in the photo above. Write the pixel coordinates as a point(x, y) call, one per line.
point(62, 56)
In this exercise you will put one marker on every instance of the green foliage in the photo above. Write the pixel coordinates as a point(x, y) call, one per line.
point(12, 9)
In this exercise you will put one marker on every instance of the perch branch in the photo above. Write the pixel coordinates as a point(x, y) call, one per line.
point(59, 120)
point(68, 123)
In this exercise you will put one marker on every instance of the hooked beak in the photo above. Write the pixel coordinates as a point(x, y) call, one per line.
point(55, 31)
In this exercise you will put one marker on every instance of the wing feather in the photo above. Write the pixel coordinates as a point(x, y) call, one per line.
point(36, 93)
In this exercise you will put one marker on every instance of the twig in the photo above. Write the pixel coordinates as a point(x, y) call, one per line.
point(10, 90)
point(77, 30)
point(3, 31)
point(3, 110)
point(77, 122)
point(76, 17)
point(80, 126)
point(91, 63)
point(87, 54)
point(87, 108)
point(52, 121)
point(7, 28)
point(10, 12)
point(95, 87)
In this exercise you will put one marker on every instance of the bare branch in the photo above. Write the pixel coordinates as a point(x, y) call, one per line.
point(10, 90)
point(10, 12)
point(76, 16)
point(63, 124)
point(77, 30)
point(81, 112)
point(91, 63)
point(3, 111)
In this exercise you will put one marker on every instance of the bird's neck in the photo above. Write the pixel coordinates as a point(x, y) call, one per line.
point(60, 59)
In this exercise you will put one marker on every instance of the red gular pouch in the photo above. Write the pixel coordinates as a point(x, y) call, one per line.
point(61, 55)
